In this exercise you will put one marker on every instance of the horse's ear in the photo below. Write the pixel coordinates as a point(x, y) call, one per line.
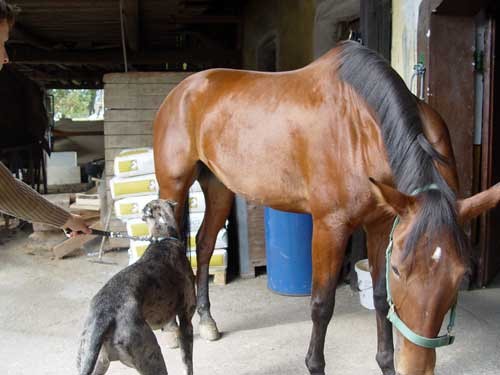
point(474, 206)
point(391, 199)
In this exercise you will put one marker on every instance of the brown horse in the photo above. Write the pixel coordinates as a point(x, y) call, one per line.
point(308, 141)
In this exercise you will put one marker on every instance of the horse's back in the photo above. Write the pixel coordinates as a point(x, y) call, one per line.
point(282, 139)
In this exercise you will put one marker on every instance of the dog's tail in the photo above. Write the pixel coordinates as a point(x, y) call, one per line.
point(91, 341)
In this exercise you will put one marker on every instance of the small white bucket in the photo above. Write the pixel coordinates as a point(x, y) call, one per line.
point(365, 285)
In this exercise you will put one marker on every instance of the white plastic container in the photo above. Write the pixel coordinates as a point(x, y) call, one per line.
point(134, 163)
point(131, 208)
point(365, 285)
point(220, 243)
point(195, 220)
point(136, 250)
point(195, 187)
point(218, 259)
point(137, 228)
point(66, 159)
point(133, 186)
point(196, 202)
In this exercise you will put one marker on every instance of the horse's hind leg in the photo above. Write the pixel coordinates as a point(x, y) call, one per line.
point(377, 239)
point(218, 201)
point(328, 249)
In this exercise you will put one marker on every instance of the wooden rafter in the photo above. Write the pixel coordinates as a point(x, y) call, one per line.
point(76, 57)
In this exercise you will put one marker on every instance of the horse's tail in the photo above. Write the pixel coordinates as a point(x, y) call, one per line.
point(91, 341)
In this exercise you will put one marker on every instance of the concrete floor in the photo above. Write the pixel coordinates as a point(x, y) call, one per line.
point(43, 303)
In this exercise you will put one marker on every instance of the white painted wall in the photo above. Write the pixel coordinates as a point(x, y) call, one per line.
point(404, 38)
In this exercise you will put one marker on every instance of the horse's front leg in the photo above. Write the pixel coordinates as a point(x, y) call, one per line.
point(377, 239)
point(328, 249)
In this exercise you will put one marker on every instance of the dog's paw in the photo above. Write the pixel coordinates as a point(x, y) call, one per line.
point(171, 339)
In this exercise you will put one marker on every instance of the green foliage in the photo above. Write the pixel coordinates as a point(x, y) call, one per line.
point(73, 103)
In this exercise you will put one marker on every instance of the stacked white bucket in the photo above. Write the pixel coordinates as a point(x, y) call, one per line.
point(218, 262)
point(132, 187)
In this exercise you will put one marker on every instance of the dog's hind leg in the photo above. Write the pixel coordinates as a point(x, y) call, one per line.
point(171, 330)
point(186, 335)
point(102, 364)
point(141, 348)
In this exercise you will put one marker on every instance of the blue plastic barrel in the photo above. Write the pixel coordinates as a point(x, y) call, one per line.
point(288, 252)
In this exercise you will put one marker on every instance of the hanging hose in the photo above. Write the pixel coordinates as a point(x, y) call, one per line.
point(124, 45)
point(419, 71)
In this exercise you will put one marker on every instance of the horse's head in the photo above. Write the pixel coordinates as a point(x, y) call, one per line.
point(427, 264)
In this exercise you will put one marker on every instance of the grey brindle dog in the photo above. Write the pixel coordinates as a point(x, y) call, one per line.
point(142, 297)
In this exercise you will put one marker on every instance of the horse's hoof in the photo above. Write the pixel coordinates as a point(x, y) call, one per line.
point(209, 331)
point(171, 339)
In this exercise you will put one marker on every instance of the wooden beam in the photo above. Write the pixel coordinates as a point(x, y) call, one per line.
point(131, 14)
point(20, 33)
point(63, 75)
point(218, 57)
point(211, 19)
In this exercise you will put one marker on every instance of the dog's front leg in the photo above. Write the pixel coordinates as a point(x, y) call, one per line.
point(171, 330)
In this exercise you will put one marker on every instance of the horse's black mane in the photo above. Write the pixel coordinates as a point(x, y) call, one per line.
point(411, 156)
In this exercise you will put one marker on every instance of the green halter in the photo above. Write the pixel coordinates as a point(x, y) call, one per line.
point(393, 317)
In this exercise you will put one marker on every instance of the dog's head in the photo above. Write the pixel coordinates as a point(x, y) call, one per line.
point(159, 215)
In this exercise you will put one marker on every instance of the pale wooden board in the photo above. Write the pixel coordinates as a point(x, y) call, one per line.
point(128, 141)
point(88, 207)
point(128, 128)
point(128, 115)
point(137, 102)
point(112, 153)
point(138, 89)
point(219, 274)
point(256, 236)
point(146, 77)
point(70, 245)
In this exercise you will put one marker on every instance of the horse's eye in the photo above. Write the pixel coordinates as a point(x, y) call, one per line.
point(395, 270)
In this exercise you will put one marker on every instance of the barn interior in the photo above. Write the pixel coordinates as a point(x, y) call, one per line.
point(131, 53)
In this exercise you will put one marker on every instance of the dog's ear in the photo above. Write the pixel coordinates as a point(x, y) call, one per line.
point(147, 212)
point(171, 203)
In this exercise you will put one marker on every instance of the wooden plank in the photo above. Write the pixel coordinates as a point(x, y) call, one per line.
point(489, 264)
point(123, 115)
point(451, 82)
point(128, 141)
point(146, 77)
point(72, 244)
point(22, 54)
point(256, 237)
point(138, 89)
point(128, 128)
point(111, 153)
point(119, 101)
point(219, 274)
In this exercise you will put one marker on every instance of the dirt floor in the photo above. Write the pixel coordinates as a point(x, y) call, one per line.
point(43, 303)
